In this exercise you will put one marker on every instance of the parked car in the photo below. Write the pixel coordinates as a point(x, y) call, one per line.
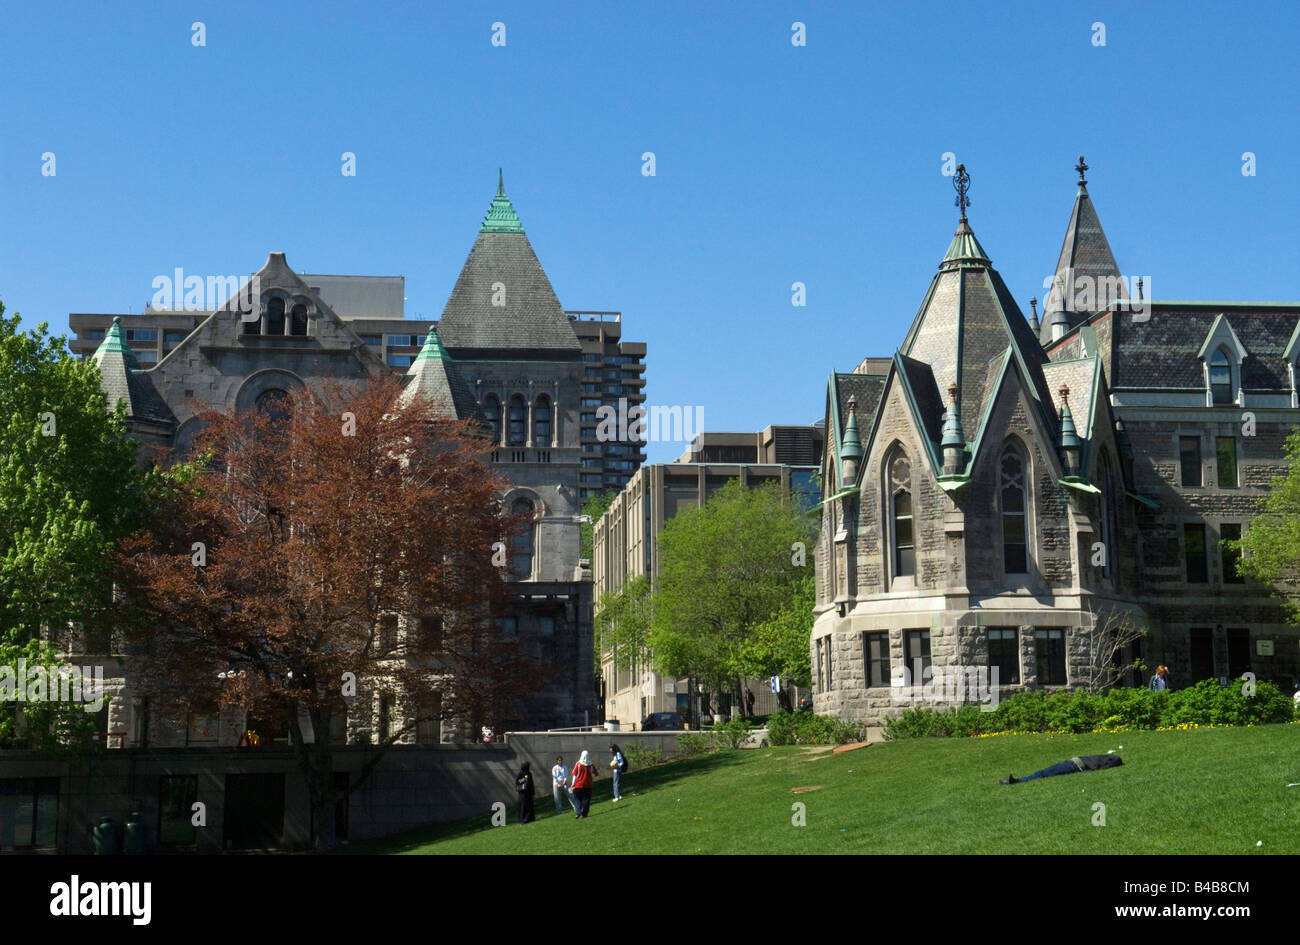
point(663, 722)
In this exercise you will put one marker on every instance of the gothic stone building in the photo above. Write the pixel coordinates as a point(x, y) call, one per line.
point(999, 489)
point(504, 352)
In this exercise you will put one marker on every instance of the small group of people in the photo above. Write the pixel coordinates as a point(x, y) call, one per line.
point(575, 785)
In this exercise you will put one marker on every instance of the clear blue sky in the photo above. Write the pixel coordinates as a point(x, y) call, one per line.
point(775, 164)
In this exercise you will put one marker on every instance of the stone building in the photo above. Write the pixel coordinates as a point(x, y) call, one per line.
point(1000, 492)
point(504, 352)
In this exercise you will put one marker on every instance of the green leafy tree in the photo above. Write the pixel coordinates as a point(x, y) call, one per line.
point(727, 569)
point(779, 644)
point(1269, 551)
point(623, 624)
point(69, 484)
point(70, 489)
point(592, 509)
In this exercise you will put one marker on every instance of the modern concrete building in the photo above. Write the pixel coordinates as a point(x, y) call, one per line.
point(504, 352)
point(625, 546)
point(989, 502)
point(613, 376)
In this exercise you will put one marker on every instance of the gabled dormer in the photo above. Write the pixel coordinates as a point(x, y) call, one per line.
point(1221, 355)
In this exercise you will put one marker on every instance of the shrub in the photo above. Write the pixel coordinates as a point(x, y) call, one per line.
point(804, 728)
point(694, 743)
point(1206, 703)
point(732, 733)
point(643, 756)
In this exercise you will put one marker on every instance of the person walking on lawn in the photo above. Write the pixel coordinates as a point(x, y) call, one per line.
point(618, 765)
point(584, 772)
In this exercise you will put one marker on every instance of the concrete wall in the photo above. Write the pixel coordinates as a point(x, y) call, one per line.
point(412, 787)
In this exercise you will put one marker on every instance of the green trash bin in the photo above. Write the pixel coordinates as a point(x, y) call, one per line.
point(105, 837)
point(133, 834)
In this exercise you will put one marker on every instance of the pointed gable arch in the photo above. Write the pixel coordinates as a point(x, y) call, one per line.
point(1221, 355)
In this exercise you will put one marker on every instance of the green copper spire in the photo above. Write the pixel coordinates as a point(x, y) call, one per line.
point(964, 250)
point(432, 350)
point(1069, 438)
point(952, 433)
point(852, 447)
point(501, 216)
point(115, 343)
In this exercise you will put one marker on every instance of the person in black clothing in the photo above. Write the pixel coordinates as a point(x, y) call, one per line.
point(524, 786)
point(749, 702)
point(1084, 763)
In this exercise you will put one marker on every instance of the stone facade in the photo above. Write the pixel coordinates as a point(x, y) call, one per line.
point(512, 360)
point(997, 491)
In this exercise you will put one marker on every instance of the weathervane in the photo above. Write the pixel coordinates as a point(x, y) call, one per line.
point(1081, 167)
point(961, 181)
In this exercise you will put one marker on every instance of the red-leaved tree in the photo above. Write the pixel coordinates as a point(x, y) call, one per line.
point(325, 554)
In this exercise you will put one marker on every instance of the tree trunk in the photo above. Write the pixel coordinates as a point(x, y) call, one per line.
point(316, 762)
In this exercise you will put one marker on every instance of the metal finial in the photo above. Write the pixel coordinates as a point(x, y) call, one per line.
point(501, 183)
point(1065, 394)
point(1081, 167)
point(961, 181)
point(952, 393)
point(1139, 288)
point(853, 404)
point(1033, 305)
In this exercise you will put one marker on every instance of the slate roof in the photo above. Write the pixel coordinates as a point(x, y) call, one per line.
point(867, 390)
point(121, 378)
point(1083, 378)
point(531, 323)
point(436, 376)
point(967, 319)
point(1085, 253)
point(969, 332)
point(1162, 351)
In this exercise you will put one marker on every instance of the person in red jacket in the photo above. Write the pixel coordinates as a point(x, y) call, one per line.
point(583, 773)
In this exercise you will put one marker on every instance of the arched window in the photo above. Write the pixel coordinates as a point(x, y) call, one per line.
point(1015, 541)
point(298, 320)
point(523, 540)
point(492, 410)
point(275, 317)
point(517, 420)
point(1221, 378)
point(900, 515)
point(542, 422)
point(274, 403)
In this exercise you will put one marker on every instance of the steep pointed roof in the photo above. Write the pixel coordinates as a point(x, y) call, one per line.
point(967, 320)
point(503, 304)
point(121, 378)
point(435, 376)
point(1087, 280)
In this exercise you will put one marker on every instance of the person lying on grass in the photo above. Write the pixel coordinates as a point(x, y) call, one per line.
point(1084, 763)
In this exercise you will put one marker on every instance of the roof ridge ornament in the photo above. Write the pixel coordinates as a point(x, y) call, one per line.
point(1081, 167)
point(961, 183)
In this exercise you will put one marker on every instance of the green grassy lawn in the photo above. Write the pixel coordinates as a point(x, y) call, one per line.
point(1202, 791)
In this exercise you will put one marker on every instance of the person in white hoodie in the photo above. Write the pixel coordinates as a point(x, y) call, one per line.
point(584, 772)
